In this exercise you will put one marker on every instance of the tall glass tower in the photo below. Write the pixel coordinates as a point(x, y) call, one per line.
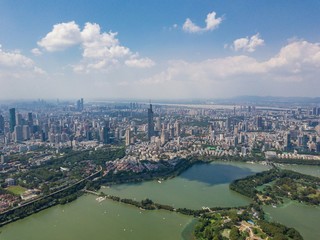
point(12, 118)
point(150, 123)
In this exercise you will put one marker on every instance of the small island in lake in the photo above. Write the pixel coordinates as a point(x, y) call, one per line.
point(273, 186)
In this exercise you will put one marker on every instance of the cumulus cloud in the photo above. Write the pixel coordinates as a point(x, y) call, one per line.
point(297, 61)
point(211, 23)
point(248, 44)
point(190, 27)
point(101, 50)
point(299, 58)
point(293, 71)
point(62, 36)
point(14, 64)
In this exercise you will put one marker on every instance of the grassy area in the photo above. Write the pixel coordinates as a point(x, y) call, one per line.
point(226, 233)
point(18, 190)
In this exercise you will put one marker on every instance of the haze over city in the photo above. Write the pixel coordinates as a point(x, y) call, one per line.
point(158, 49)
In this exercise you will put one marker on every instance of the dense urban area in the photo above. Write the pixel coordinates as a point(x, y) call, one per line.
point(53, 151)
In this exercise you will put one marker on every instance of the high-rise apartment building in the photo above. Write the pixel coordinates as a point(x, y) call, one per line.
point(128, 137)
point(177, 129)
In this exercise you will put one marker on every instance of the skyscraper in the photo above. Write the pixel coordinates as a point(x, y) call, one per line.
point(1, 124)
point(259, 122)
point(12, 119)
point(26, 132)
point(158, 124)
point(18, 133)
point(30, 119)
point(314, 111)
point(79, 104)
point(104, 135)
point(228, 124)
point(287, 141)
point(150, 123)
point(128, 137)
point(18, 119)
point(163, 136)
point(177, 129)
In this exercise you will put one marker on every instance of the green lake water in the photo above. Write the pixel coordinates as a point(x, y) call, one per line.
point(86, 219)
point(306, 219)
point(201, 185)
point(304, 169)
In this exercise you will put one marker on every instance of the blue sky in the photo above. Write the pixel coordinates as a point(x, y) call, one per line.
point(159, 49)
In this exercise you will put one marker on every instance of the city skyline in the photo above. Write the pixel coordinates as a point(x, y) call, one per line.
point(158, 50)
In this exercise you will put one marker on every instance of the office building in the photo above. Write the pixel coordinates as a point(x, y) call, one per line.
point(1, 124)
point(26, 132)
point(12, 119)
point(314, 111)
point(79, 105)
point(30, 120)
point(18, 133)
point(104, 135)
point(287, 141)
point(150, 123)
point(18, 119)
point(259, 122)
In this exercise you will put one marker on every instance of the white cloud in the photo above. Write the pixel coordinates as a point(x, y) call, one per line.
point(190, 27)
point(299, 57)
point(248, 44)
point(14, 59)
point(140, 63)
point(36, 52)
point(211, 23)
point(293, 71)
point(297, 61)
point(14, 64)
point(62, 36)
point(218, 69)
point(101, 50)
point(99, 45)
